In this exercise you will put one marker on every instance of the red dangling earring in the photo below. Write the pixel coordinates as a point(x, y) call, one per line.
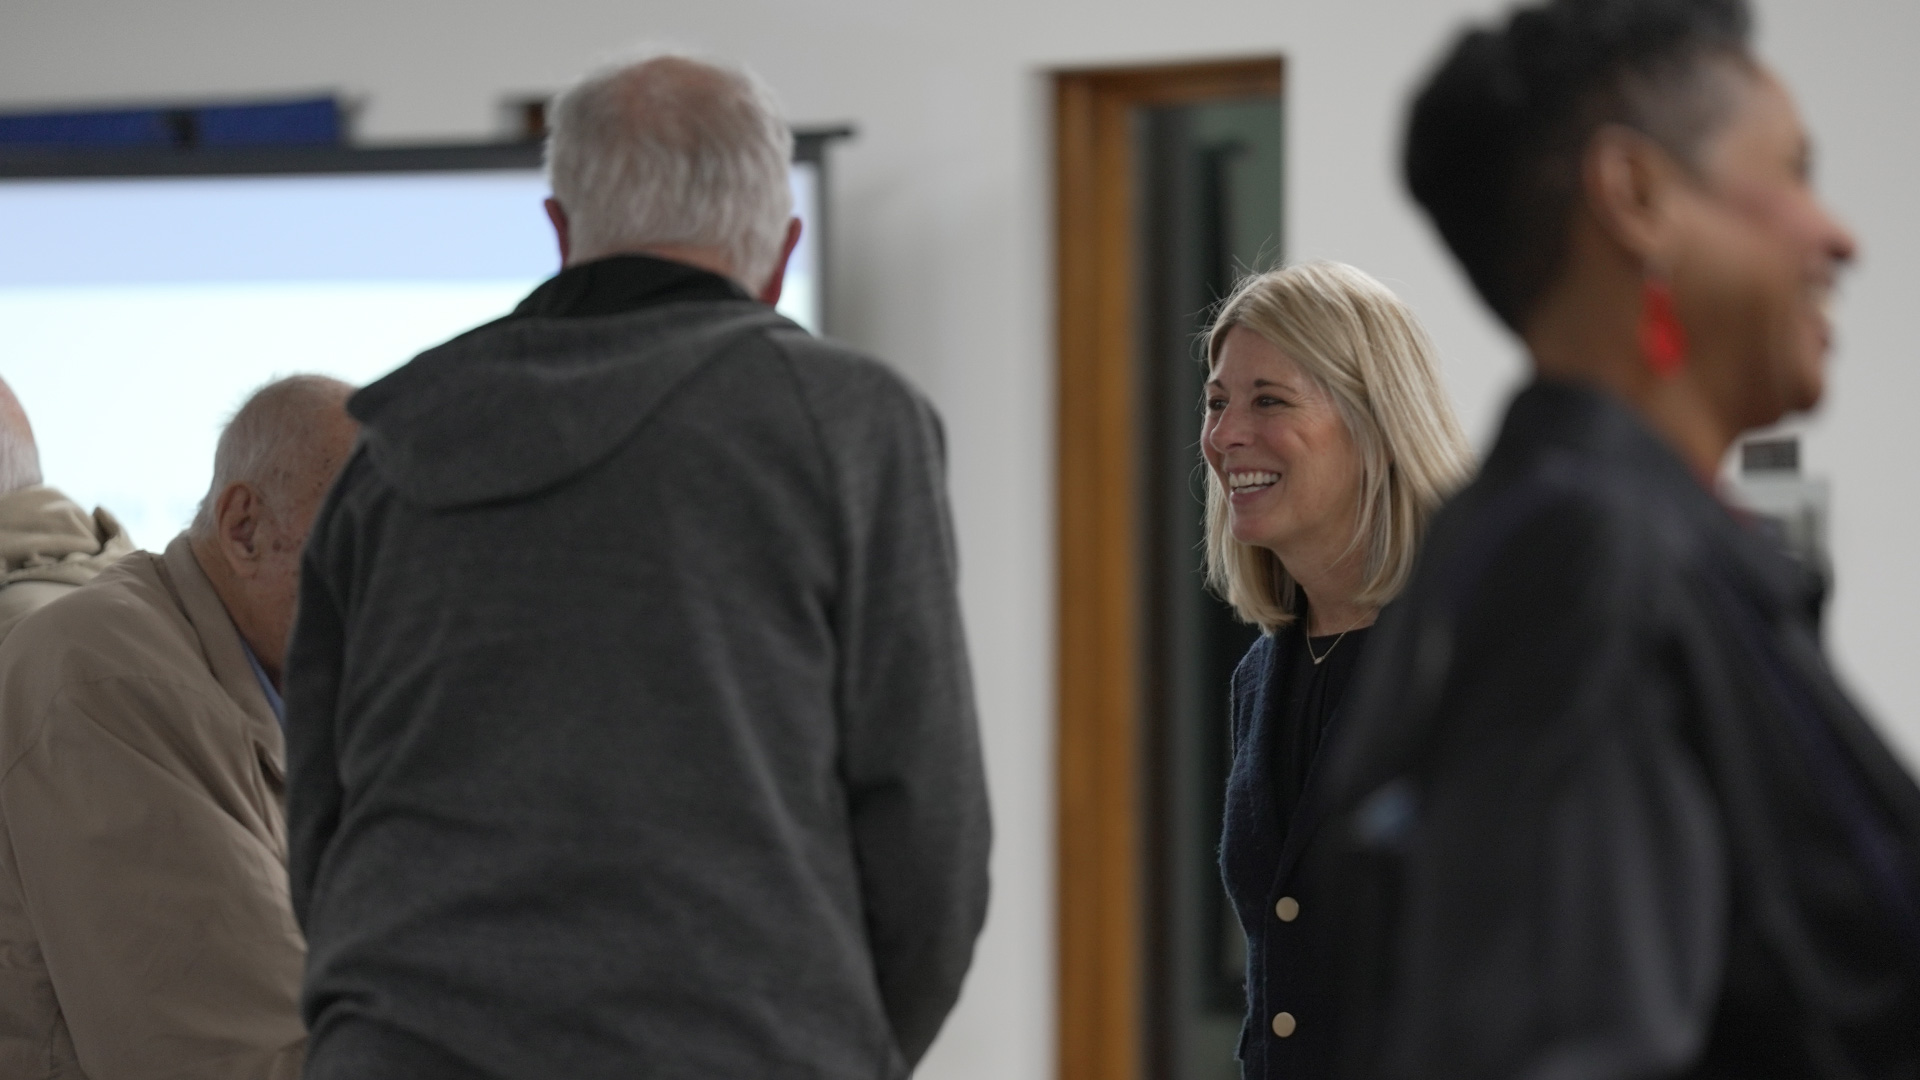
point(1663, 341)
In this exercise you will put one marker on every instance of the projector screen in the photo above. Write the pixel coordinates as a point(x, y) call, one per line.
point(136, 313)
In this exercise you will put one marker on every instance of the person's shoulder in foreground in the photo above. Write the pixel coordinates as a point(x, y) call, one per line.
point(48, 545)
point(1578, 748)
point(1607, 812)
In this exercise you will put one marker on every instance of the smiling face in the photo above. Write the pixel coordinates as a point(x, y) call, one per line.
point(1754, 256)
point(1275, 441)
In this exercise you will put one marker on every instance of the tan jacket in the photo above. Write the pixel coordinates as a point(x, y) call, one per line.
point(50, 547)
point(145, 926)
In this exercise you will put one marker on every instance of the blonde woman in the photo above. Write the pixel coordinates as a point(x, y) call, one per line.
point(1329, 443)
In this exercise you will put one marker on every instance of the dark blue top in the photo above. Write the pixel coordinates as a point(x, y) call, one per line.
point(1284, 707)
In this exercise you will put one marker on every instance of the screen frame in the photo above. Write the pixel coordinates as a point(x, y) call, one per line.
point(809, 147)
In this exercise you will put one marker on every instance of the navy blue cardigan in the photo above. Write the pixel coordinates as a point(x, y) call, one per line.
point(1287, 922)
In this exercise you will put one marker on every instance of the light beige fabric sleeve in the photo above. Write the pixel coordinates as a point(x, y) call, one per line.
point(23, 598)
point(160, 907)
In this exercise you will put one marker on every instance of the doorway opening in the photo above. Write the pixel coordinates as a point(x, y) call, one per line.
point(1169, 188)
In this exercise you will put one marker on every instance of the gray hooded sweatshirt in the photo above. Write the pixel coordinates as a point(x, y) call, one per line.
point(630, 726)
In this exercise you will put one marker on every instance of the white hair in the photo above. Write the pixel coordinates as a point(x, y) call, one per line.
point(673, 149)
point(270, 442)
point(19, 455)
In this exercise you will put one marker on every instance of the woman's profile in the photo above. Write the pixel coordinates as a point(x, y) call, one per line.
point(1603, 809)
point(1329, 443)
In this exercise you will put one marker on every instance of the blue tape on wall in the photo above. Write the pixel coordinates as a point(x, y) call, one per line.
point(309, 122)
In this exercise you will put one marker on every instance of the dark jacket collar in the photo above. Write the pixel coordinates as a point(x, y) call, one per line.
point(620, 284)
point(1608, 438)
point(1550, 414)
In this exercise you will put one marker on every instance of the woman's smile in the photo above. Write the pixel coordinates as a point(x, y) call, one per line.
point(1245, 486)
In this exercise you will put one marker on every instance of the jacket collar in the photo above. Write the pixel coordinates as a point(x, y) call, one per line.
point(620, 284)
point(220, 644)
point(1611, 442)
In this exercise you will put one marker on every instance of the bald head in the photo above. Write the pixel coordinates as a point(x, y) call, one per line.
point(19, 454)
point(275, 462)
point(673, 152)
point(287, 440)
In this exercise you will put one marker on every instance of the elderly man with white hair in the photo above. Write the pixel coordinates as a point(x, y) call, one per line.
point(146, 928)
point(630, 725)
point(49, 546)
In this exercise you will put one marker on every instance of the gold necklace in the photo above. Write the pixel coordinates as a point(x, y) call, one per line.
point(1308, 638)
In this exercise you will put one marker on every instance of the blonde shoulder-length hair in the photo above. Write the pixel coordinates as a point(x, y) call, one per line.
point(1368, 353)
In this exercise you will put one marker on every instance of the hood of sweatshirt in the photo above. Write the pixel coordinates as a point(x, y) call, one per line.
point(524, 404)
point(45, 536)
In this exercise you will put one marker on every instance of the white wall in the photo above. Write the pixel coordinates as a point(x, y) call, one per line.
point(942, 264)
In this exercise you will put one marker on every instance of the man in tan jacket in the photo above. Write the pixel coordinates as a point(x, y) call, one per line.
point(145, 925)
point(48, 545)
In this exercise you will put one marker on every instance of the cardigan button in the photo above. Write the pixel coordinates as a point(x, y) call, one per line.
point(1283, 1024)
point(1288, 909)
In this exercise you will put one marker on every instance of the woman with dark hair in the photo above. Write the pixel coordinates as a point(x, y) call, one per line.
point(1600, 808)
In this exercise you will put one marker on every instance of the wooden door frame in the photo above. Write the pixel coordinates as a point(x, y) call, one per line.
point(1098, 783)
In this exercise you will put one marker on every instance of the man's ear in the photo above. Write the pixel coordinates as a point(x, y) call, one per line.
point(558, 215)
point(237, 520)
point(1628, 183)
point(770, 292)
